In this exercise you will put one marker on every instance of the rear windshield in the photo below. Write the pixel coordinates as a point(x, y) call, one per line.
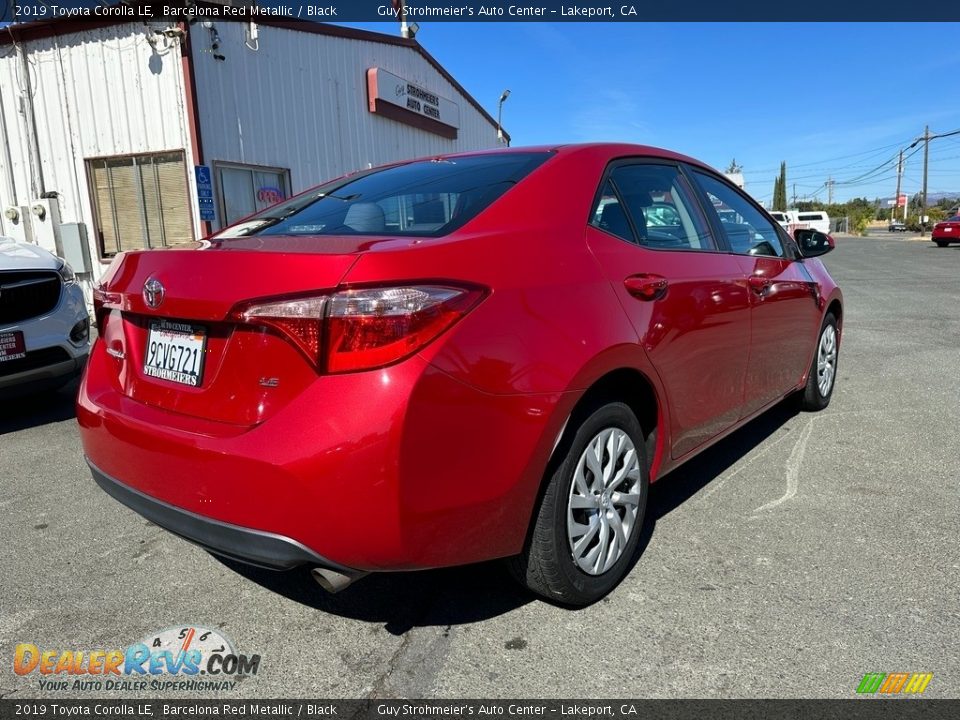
point(425, 198)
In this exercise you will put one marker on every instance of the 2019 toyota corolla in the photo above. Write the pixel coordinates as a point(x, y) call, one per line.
point(451, 360)
point(44, 326)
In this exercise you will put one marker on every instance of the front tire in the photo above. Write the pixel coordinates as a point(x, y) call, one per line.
point(822, 377)
point(588, 524)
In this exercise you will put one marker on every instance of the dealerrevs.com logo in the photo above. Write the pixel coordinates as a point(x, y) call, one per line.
point(178, 658)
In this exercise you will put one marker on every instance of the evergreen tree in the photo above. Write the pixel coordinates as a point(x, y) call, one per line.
point(780, 198)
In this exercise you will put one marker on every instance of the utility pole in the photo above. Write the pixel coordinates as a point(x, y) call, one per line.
point(794, 203)
point(829, 191)
point(896, 199)
point(927, 137)
point(923, 209)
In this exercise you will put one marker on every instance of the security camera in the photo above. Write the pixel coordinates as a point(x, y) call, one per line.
point(39, 210)
point(173, 32)
point(12, 214)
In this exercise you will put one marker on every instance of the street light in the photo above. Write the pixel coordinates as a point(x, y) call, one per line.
point(503, 97)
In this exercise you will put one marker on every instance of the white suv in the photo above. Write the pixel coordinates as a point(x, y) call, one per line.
point(44, 325)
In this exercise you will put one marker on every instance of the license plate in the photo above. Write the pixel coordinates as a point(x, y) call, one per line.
point(12, 346)
point(175, 352)
point(948, 229)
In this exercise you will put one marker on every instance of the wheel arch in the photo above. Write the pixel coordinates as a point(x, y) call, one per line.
point(835, 307)
point(630, 385)
point(633, 388)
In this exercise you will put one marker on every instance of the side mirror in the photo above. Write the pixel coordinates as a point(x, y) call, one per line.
point(813, 243)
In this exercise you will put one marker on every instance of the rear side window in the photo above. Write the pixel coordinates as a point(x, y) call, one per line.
point(426, 198)
point(652, 206)
point(811, 217)
point(746, 228)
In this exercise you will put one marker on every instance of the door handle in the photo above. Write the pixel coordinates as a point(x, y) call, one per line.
point(646, 286)
point(759, 284)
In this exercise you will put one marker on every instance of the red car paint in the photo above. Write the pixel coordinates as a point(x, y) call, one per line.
point(437, 459)
point(947, 231)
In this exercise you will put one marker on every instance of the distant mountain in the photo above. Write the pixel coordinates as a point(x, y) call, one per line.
point(932, 197)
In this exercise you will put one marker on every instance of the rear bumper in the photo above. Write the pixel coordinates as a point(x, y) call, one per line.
point(254, 547)
point(397, 469)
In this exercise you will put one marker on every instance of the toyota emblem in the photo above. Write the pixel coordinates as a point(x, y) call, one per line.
point(153, 293)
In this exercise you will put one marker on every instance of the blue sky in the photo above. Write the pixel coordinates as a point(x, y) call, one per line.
point(831, 99)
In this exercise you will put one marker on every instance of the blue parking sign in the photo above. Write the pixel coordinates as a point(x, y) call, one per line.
point(205, 192)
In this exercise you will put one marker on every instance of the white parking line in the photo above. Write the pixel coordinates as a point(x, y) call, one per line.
point(793, 469)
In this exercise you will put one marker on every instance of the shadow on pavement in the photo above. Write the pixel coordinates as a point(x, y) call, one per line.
point(672, 490)
point(38, 409)
point(463, 595)
point(403, 600)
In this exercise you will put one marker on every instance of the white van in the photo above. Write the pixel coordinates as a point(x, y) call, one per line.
point(814, 219)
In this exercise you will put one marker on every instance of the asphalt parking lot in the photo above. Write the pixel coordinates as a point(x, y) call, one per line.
point(787, 561)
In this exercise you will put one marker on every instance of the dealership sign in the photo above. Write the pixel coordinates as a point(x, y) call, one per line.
point(399, 99)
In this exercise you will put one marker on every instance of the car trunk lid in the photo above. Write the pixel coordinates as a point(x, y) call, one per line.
point(166, 324)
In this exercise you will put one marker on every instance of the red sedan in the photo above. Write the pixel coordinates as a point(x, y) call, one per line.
point(946, 231)
point(450, 360)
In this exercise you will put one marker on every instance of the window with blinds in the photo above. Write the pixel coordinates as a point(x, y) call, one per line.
point(140, 201)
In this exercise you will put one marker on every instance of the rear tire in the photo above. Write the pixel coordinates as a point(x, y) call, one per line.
point(588, 524)
point(941, 243)
point(822, 377)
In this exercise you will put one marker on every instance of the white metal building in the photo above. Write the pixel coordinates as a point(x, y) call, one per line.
point(103, 125)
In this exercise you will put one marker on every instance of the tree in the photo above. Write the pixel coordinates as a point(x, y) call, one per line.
point(733, 167)
point(780, 189)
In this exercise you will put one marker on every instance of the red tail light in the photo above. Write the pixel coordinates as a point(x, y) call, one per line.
point(100, 299)
point(364, 328)
point(298, 320)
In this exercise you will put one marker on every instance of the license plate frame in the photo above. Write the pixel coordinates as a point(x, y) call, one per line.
point(12, 345)
point(175, 352)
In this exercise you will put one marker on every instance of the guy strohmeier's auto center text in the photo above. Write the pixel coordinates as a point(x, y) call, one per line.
point(486, 12)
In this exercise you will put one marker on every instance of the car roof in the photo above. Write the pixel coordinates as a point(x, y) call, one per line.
point(613, 150)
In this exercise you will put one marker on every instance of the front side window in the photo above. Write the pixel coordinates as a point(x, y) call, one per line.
point(140, 201)
point(425, 198)
point(746, 228)
point(651, 205)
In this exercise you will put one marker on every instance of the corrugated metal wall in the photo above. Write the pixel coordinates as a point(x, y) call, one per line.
point(300, 102)
point(97, 92)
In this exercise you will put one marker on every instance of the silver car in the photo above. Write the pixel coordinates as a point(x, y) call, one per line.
point(44, 325)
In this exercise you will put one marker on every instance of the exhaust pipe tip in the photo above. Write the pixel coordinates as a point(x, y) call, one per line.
point(333, 581)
